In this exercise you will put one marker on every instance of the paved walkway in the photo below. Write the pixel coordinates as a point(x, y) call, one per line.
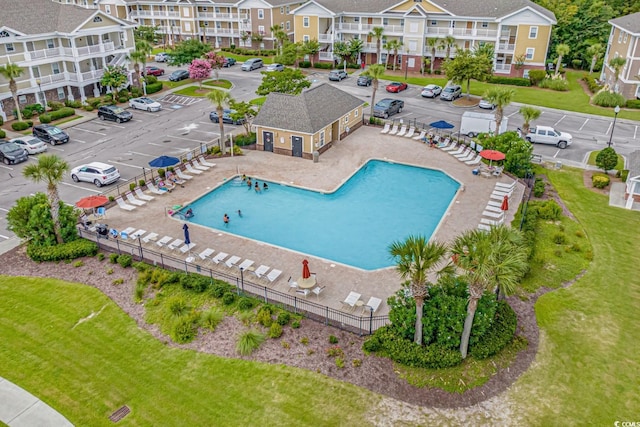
point(20, 408)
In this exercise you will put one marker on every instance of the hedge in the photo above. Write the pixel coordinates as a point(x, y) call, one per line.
point(56, 115)
point(73, 104)
point(535, 76)
point(154, 87)
point(514, 81)
point(591, 83)
point(2, 133)
point(501, 333)
point(19, 126)
point(633, 103)
point(71, 250)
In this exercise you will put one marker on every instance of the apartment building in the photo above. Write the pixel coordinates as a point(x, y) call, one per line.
point(624, 41)
point(62, 50)
point(244, 23)
point(518, 30)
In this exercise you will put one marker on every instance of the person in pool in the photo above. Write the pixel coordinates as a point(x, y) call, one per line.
point(239, 213)
point(188, 213)
point(225, 218)
point(249, 183)
point(265, 186)
point(244, 177)
point(257, 187)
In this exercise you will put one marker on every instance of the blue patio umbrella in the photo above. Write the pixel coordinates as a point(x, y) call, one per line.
point(441, 124)
point(187, 241)
point(163, 161)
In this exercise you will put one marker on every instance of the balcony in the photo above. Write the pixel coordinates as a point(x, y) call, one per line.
point(223, 16)
point(325, 56)
point(393, 29)
point(462, 32)
point(61, 51)
point(222, 32)
point(506, 47)
point(153, 14)
point(325, 38)
point(91, 75)
point(503, 68)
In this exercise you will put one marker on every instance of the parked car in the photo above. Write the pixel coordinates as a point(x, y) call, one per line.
point(228, 62)
point(252, 64)
point(451, 92)
point(364, 81)
point(144, 103)
point(431, 91)
point(486, 104)
point(31, 144)
point(153, 71)
point(275, 67)
point(98, 173)
point(337, 75)
point(51, 134)
point(548, 135)
point(162, 57)
point(226, 117)
point(115, 113)
point(395, 87)
point(12, 153)
point(387, 107)
point(179, 75)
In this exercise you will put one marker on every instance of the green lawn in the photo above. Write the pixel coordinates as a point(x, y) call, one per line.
point(594, 154)
point(207, 86)
point(178, 83)
point(241, 58)
point(88, 370)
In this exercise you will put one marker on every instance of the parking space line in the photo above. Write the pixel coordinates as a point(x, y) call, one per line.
point(113, 125)
point(3, 209)
point(164, 146)
point(556, 155)
point(635, 132)
point(6, 167)
point(124, 164)
point(82, 188)
point(561, 118)
point(80, 141)
point(608, 129)
point(187, 139)
point(4, 237)
point(513, 114)
point(141, 154)
point(62, 149)
point(90, 131)
point(585, 122)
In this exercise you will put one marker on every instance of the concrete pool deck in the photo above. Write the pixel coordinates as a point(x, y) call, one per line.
point(334, 167)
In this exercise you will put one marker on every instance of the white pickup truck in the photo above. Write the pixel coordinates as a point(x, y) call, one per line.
point(548, 135)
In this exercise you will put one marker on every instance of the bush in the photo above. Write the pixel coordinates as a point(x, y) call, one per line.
point(283, 318)
point(538, 188)
point(125, 261)
point(631, 103)
point(19, 126)
point(514, 81)
point(624, 174)
point(194, 282)
point(535, 76)
point(154, 87)
point(45, 118)
point(592, 84)
point(245, 303)
point(554, 84)
point(248, 342)
point(113, 258)
point(151, 80)
point(211, 318)
point(73, 104)
point(55, 105)
point(501, 333)
point(559, 239)
point(218, 289)
point(264, 316)
point(245, 139)
point(608, 99)
point(107, 98)
point(2, 133)
point(549, 210)
point(275, 331)
point(600, 180)
point(576, 63)
point(136, 92)
point(324, 65)
point(94, 102)
point(333, 339)
point(65, 251)
point(304, 64)
point(228, 298)
point(184, 329)
point(123, 99)
point(295, 324)
point(88, 107)
point(1, 121)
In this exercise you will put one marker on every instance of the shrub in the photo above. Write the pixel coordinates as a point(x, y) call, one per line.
point(373, 344)
point(73, 104)
point(592, 84)
point(194, 282)
point(275, 331)
point(283, 318)
point(218, 289)
point(607, 159)
point(631, 103)
point(245, 303)
point(118, 281)
point(113, 258)
point(248, 342)
point(501, 333)
point(514, 81)
point(125, 260)
point(138, 292)
point(184, 329)
point(304, 341)
point(211, 318)
point(559, 239)
point(1, 121)
point(549, 210)
point(228, 298)
point(608, 99)
point(538, 188)
point(107, 98)
point(356, 363)
point(94, 102)
point(264, 316)
point(154, 87)
point(58, 114)
point(123, 99)
point(333, 339)
point(244, 139)
point(78, 264)
point(600, 180)
point(55, 105)
point(177, 306)
point(576, 63)
point(136, 92)
point(65, 251)
point(45, 118)
point(19, 126)
point(151, 80)
point(304, 64)
point(100, 256)
point(535, 76)
point(88, 107)
point(295, 324)
point(554, 84)
point(324, 65)
point(141, 183)
point(109, 271)
point(2, 133)
point(624, 175)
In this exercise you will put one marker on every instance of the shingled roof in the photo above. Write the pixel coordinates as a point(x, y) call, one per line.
point(42, 16)
point(308, 112)
point(630, 23)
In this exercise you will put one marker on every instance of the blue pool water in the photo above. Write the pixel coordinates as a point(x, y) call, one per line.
point(382, 203)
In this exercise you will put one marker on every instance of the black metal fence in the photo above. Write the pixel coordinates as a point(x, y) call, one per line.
point(419, 126)
point(364, 324)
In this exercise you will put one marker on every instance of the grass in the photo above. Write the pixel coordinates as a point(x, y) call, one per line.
point(88, 370)
point(594, 154)
point(258, 101)
point(241, 58)
point(194, 91)
point(172, 85)
point(225, 84)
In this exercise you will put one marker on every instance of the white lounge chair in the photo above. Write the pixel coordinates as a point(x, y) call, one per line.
point(420, 135)
point(138, 234)
point(231, 262)
point(154, 190)
point(164, 241)
point(493, 214)
point(121, 203)
point(445, 144)
point(175, 244)
point(190, 169)
point(133, 200)
point(505, 187)
point(292, 284)
point(303, 292)
point(484, 227)
point(351, 300)
point(492, 208)
point(492, 203)
point(261, 271)
point(198, 166)
point(475, 161)
point(372, 305)
point(318, 290)
point(464, 154)
point(218, 258)
point(204, 255)
point(182, 175)
point(507, 193)
point(186, 248)
point(491, 221)
point(151, 237)
point(460, 150)
point(387, 128)
point(142, 196)
point(452, 148)
point(402, 131)
point(393, 130)
point(245, 265)
point(273, 275)
point(497, 196)
point(204, 162)
point(410, 132)
point(468, 157)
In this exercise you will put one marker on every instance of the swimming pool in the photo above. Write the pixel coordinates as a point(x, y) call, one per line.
point(381, 203)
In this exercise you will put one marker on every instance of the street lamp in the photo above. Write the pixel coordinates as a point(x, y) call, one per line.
point(615, 117)
point(43, 99)
point(406, 67)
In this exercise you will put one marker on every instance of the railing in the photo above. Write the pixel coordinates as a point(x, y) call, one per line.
point(464, 32)
point(211, 31)
point(509, 47)
point(362, 325)
point(91, 75)
point(326, 56)
point(325, 38)
point(389, 29)
point(502, 68)
point(159, 13)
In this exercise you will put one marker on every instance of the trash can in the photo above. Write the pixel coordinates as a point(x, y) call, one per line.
point(316, 156)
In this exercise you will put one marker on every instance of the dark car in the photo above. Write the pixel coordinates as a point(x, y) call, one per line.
point(179, 75)
point(337, 75)
point(153, 71)
point(11, 153)
point(395, 87)
point(387, 107)
point(226, 117)
point(229, 62)
point(364, 81)
point(51, 134)
point(115, 113)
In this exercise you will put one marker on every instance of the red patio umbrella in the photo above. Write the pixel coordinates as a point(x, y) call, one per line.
point(305, 269)
point(92, 202)
point(492, 155)
point(505, 203)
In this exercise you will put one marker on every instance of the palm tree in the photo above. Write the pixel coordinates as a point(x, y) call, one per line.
point(595, 51)
point(11, 72)
point(375, 71)
point(529, 114)
point(276, 43)
point(487, 260)
point(433, 43)
point(514, 244)
point(388, 46)
point(449, 42)
point(137, 57)
point(500, 97)
point(415, 257)
point(50, 169)
point(397, 45)
point(562, 50)
point(617, 64)
point(220, 98)
point(377, 33)
point(341, 50)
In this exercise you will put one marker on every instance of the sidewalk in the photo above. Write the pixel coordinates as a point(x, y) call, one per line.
point(20, 408)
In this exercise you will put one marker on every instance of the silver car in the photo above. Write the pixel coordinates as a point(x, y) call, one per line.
point(31, 144)
point(451, 93)
point(431, 91)
point(275, 67)
point(486, 104)
point(146, 104)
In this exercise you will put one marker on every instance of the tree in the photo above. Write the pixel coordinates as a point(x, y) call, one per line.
point(311, 48)
point(341, 50)
point(114, 77)
point(188, 50)
point(561, 50)
point(486, 260)
point(11, 72)
point(245, 37)
point(388, 46)
point(290, 81)
point(466, 66)
point(216, 61)
point(432, 44)
point(607, 159)
point(200, 70)
point(50, 169)
point(291, 52)
point(529, 114)
point(375, 71)
point(500, 97)
point(244, 110)
point(397, 45)
point(517, 151)
point(258, 38)
point(449, 42)
point(355, 47)
point(281, 37)
point(137, 57)
point(595, 52)
point(276, 43)
point(220, 98)
point(617, 64)
point(377, 32)
point(415, 258)
point(146, 33)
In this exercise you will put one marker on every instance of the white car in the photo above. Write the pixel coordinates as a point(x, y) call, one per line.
point(548, 135)
point(161, 57)
point(144, 103)
point(275, 67)
point(31, 144)
point(486, 104)
point(98, 173)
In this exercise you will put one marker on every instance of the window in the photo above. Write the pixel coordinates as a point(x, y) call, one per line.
point(9, 47)
point(61, 94)
point(261, 30)
point(288, 9)
point(97, 19)
point(620, 37)
point(281, 10)
point(413, 45)
point(346, 118)
point(485, 24)
point(305, 21)
point(204, 8)
point(434, 23)
point(206, 23)
point(4, 34)
point(22, 99)
point(305, 38)
point(107, 8)
point(288, 25)
point(453, 24)
point(530, 52)
point(625, 37)
point(50, 44)
point(533, 32)
point(282, 25)
point(187, 26)
point(356, 19)
point(55, 67)
point(322, 139)
point(186, 11)
point(260, 13)
point(385, 21)
point(355, 113)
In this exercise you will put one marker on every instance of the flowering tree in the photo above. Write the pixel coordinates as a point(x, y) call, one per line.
point(216, 61)
point(199, 69)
